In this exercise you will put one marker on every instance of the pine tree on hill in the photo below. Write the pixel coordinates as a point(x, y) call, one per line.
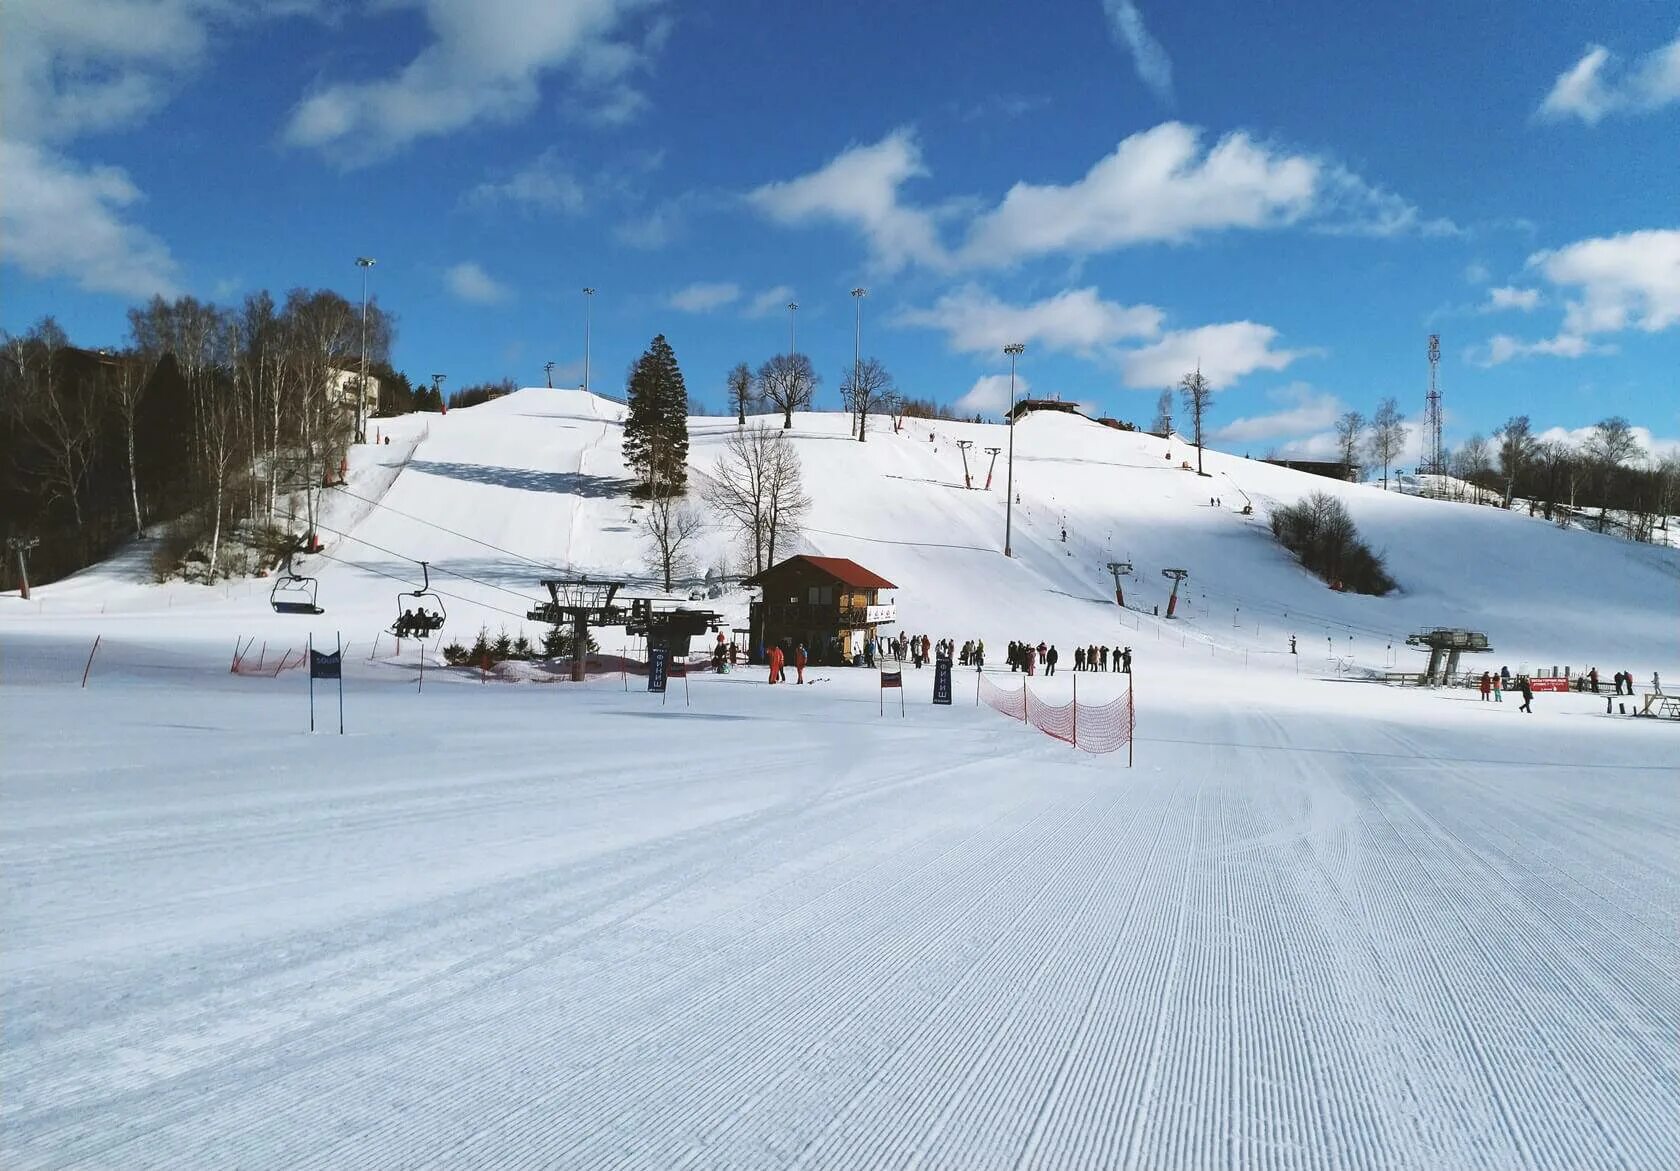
point(656, 429)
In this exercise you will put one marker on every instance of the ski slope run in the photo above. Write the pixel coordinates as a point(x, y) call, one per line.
point(540, 927)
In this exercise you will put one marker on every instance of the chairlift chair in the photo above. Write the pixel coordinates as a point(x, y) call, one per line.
point(293, 592)
point(423, 622)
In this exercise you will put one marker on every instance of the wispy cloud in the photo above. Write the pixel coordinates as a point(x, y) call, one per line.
point(1154, 67)
point(545, 184)
point(63, 219)
point(1303, 409)
point(1608, 284)
point(471, 283)
point(485, 63)
point(1225, 353)
point(1506, 297)
point(860, 187)
point(705, 296)
point(1074, 320)
point(771, 300)
point(1595, 87)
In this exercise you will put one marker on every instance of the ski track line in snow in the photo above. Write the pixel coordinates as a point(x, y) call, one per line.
point(1485, 1038)
point(1569, 1050)
point(721, 1039)
point(412, 1025)
point(986, 971)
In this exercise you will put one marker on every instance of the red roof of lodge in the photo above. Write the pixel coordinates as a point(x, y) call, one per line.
point(842, 569)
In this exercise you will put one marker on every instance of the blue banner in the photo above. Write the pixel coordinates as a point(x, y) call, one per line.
point(656, 668)
point(942, 681)
point(325, 666)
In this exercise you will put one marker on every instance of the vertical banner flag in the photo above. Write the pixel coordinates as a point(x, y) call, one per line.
point(942, 680)
point(657, 656)
point(325, 666)
point(892, 675)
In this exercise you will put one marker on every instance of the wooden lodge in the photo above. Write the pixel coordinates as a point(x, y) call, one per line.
point(830, 604)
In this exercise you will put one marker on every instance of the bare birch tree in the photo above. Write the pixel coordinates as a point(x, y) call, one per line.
point(672, 523)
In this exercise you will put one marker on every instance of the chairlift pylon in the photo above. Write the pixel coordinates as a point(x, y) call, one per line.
point(417, 621)
point(293, 592)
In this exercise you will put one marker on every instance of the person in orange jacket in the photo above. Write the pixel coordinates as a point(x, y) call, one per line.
point(799, 662)
point(775, 664)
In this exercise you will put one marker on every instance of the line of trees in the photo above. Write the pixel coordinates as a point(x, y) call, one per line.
point(1632, 491)
point(1320, 532)
point(211, 416)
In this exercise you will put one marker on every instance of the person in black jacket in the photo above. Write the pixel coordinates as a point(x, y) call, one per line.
point(1050, 657)
point(1527, 694)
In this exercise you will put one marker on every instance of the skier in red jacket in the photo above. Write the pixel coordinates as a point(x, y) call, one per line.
point(775, 664)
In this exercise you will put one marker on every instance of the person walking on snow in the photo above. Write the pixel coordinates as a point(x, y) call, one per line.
point(799, 662)
point(775, 664)
point(1527, 694)
point(1126, 660)
point(1487, 686)
point(1592, 678)
point(1050, 658)
point(1498, 691)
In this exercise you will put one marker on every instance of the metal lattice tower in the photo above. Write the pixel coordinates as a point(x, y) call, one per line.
point(1437, 462)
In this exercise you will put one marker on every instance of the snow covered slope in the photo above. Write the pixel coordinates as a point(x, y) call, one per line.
point(1321, 924)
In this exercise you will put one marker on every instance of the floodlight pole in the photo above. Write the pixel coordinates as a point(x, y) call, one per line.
point(1014, 350)
point(364, 263)
point(588, 321)
point(858, 294)
point(548, 373)
point(793, 327)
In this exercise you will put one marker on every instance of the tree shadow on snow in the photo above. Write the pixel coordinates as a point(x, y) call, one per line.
point(527, 479)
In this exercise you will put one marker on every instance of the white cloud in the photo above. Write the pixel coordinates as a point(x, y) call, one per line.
point(62, 219)
point(1510, 297)
point(485, 63)
point(1154, 67)
point(1630, 279)
point(1611, 284)
point(704, 296)
point(470, 282)
point(1157, 185)
point(1304, 409)
point(1591, 91)
point(70, 67)
point(859, 188)
point(771, 300)
point(1476, 273)
point(990, 394)
point(1502, 347)
point(1076, 320)
point(544, 184)
point(1225, 353)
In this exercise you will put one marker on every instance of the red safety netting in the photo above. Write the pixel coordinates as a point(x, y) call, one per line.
point(1101, 727)
point(1058, 720)
point(1011, 703)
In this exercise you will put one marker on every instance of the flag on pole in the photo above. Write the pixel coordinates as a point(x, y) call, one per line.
point(892, 675)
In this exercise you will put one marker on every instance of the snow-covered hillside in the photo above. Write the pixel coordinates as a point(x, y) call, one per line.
point(1322, 923)
point(497, 496)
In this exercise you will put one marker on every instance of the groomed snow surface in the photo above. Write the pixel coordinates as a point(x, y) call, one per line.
point(1321, 923)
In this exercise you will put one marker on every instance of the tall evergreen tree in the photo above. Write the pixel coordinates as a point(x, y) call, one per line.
point(656, 429)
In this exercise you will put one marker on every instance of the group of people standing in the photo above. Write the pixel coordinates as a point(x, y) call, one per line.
point(1096, 658)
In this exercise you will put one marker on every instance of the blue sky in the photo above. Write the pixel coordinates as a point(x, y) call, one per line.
point(1292, 195)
